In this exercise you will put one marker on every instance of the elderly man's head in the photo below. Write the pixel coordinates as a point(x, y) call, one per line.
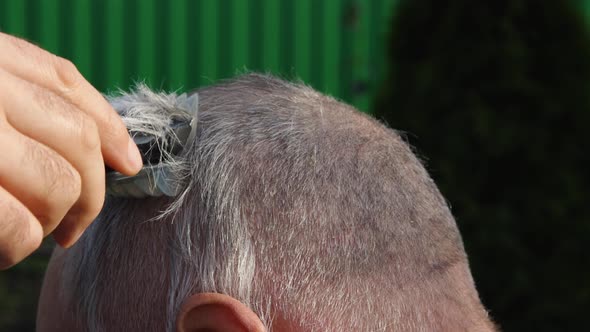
point(301, 214)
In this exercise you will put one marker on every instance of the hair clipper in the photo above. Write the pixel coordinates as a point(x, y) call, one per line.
point(156, 177)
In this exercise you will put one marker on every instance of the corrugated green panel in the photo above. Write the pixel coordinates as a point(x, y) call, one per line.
point(337, 46)
point(176, 46)
point(287, 36)
point(271, 35)
point(302, 60)
point(209, 41)
point(81, 38)
point(14, 18)
point(130, 51)
point(224, 41)
point(361, 57)
point(98, 45)
point(146, 25)
point(255, 14)
point(49, 25)
point(317, 41)
point(160, 39)
point(66, 28)
point(114, 52)
point(331, 29)
point(348, 24)
point(240, 36)
point(193, 44)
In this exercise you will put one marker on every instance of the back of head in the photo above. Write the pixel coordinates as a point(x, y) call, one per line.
point(314, 215)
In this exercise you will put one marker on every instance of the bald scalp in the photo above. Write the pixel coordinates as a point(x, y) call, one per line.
point(313, 214)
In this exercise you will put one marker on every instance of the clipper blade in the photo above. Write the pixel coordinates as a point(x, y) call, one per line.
point(156, 178)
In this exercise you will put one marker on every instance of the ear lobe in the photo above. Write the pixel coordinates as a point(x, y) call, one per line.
point(216, 312)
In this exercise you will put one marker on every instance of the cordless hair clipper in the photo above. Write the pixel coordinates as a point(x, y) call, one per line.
point(156, 177)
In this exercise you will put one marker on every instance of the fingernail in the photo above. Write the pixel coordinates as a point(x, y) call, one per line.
point(134, 156)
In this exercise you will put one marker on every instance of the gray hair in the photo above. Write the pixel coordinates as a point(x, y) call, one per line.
point(297, 205)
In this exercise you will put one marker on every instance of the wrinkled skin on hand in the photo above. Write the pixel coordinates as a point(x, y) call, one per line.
point(56, 134)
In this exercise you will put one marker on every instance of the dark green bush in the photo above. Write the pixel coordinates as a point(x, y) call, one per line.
point(496, 96)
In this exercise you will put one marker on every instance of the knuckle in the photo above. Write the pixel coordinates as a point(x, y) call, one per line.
point(67, 75)
point(89, 133)
point(61, 196)
point(40, 57)
point(47, 100)
point(82, 127)
point(63, 185)
point(24, 46)
point(67, 185)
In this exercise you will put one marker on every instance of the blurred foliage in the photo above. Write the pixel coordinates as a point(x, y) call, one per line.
point(496, 95)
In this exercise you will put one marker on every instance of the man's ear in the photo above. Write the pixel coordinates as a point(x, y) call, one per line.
point(210, 312)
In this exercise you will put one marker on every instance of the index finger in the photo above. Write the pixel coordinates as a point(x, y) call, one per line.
point(33, 64)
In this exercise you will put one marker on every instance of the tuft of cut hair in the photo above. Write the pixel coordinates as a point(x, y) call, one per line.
point(150, 113)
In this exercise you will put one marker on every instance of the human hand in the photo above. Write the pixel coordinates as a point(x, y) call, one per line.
point(55, 130)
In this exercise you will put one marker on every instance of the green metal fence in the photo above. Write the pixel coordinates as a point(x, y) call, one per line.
point(337, 46)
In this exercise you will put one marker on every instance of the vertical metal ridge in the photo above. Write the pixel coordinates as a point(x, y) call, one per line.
point(225, 31)
point(3, 9)
point(49, 25)
point(240, 37)
point(115, 48)
point(256, 33)
point(66, 47)
point(176, 44)
point(82, 38)
point(331, 30)
point(348, 21)
point(302, 40)
point(287, 38)
point(15, 18)
point(193, 45)
point(317, 40)
point(361, 71)
point(209, 41)
point(146, 61)
point(33, 14)
point(131, 51)
point(99, 44)
point(161, 74)
point(271, 35)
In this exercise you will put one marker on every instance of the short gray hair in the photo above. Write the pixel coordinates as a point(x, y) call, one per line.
point(296, 204)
